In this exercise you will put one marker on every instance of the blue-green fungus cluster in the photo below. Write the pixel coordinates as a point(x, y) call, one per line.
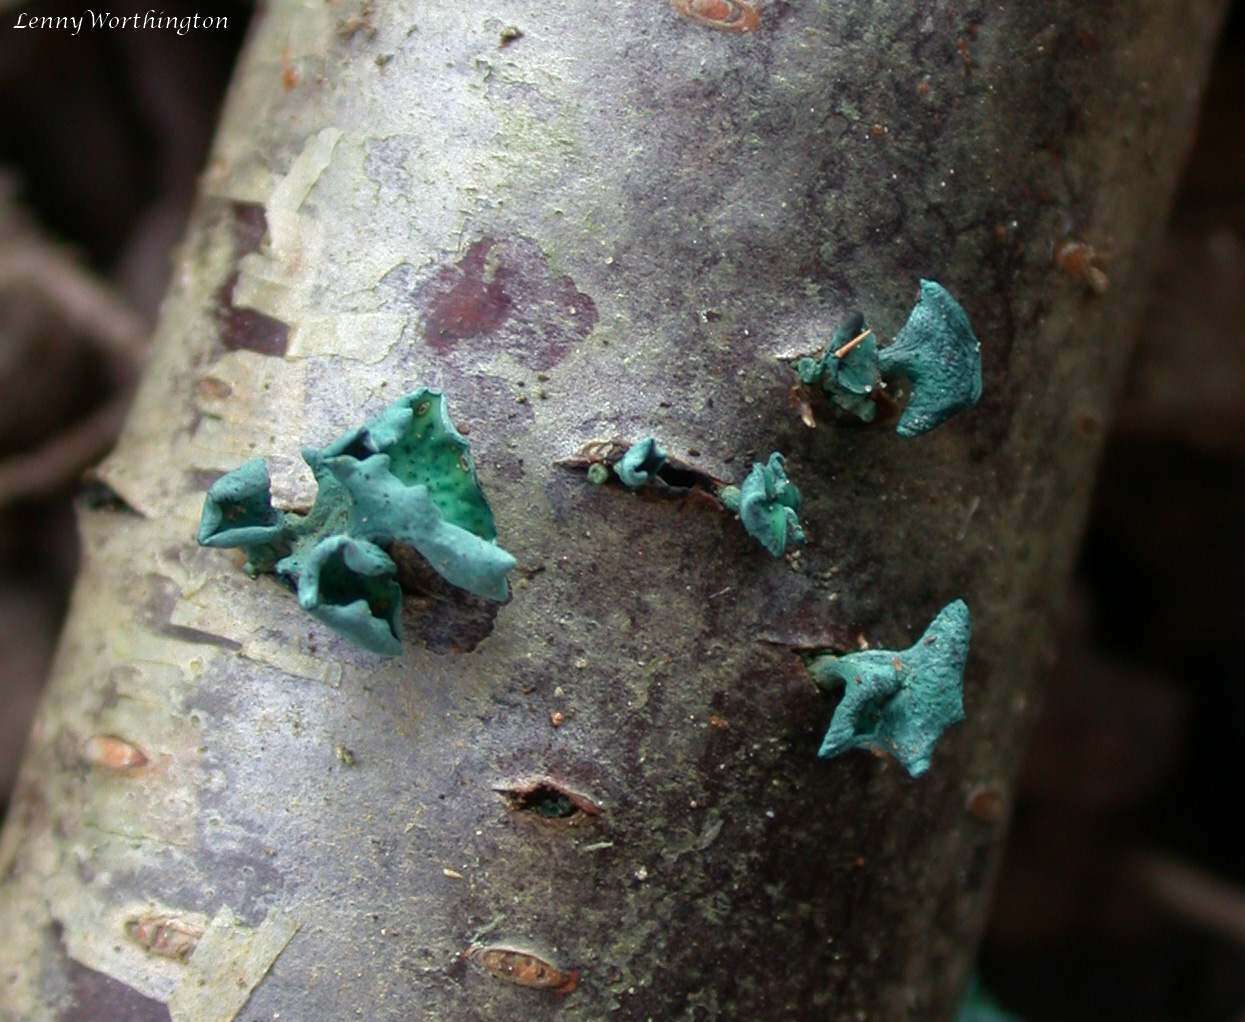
point(899, 702)
point(936, 351)
point(768, 505)
point(849, 380)
point(404, 478)
point(767, 502)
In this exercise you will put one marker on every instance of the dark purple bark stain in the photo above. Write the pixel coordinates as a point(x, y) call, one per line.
point(503, 291)
point(248, 226)
point(95, 997)
point(444, 618)
point(247, 328)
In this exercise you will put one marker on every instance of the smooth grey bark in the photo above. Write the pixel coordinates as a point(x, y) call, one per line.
point(616, 223)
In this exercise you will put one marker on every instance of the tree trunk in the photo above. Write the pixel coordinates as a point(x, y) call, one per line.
point(585, 222)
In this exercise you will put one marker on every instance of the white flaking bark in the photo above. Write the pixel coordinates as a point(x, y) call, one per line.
point(227, 965)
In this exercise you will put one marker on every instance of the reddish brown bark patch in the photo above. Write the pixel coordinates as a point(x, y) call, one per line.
point(239, 327)
point(504, 289)
point(523, 968)
point(248, 224)
point(727, 15)
point(113, 753)
point(164, 935)
point(248, 328)
point(469, 298)
point(986, 804)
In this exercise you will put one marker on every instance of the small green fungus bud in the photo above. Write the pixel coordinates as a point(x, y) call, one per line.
point(979, 1006)
point(768, 506)
point(641, 463)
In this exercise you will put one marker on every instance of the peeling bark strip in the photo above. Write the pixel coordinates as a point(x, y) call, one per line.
point(625, 225)
point(242, 327)
point(228, 963)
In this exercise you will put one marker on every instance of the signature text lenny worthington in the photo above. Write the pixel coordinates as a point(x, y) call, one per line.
point(88, 19)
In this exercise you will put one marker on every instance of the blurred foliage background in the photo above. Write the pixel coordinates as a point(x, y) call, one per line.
point(1122, 892)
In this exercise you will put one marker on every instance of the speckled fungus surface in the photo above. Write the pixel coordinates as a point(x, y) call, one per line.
point(767, 503)
point(899, 702)
point(404, 478)
point(936, 351)
point(940, 355)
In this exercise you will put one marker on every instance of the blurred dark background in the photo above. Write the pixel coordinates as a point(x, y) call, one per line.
point(1122, 893)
